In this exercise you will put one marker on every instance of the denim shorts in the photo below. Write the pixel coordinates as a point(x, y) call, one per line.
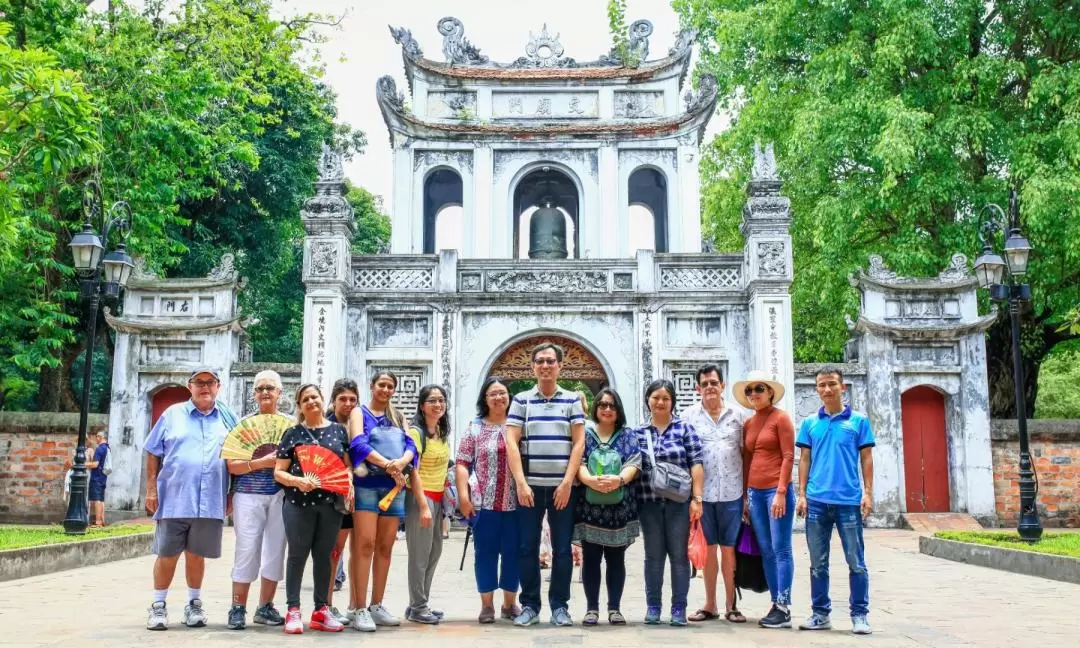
point(367, 501)
point(720, 521)
point(97, 491)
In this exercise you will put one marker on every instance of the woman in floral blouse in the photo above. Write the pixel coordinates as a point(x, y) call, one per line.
point(489, 499)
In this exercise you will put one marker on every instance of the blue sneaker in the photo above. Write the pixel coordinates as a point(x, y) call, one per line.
point(561, 618)
point(678, 615)
point(652, 615)
point(527, 617)
point(816, 622)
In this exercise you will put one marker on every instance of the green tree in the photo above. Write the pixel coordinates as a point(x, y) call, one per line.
point(372, 225)
point(895, 121)
point(1058, 378)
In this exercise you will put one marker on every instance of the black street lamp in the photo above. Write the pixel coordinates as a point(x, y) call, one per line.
point(98, 278)
point(990, 271)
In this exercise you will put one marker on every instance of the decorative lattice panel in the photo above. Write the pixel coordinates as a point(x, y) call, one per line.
point(678, 278)
point(394, 278)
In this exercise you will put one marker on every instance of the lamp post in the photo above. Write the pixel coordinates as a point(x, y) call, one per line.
point(98, 279)
point(990, 269)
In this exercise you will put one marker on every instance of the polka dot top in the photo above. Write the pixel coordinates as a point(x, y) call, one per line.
point(334, 437)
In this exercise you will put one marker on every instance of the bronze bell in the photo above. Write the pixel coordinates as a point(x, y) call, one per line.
point(547, 233)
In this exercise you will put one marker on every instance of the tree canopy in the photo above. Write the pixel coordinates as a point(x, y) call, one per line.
point(895, 121)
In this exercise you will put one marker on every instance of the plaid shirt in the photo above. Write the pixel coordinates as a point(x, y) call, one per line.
point(679, 444)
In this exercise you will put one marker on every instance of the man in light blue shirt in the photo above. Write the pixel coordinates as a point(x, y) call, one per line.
point(836, 445)
point(186, 491)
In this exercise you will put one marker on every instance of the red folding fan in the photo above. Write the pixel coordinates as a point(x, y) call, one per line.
point(325, 467)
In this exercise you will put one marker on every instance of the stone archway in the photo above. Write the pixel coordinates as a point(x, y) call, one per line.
point(579, 363)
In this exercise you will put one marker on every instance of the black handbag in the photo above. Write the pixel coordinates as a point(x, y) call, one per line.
point(749, 568)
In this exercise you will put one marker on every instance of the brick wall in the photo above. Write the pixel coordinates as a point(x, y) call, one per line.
point(33, 448)
point(1055, 453)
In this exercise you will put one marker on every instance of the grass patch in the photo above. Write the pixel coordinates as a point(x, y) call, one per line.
point(1058, 544)
point(20, 537)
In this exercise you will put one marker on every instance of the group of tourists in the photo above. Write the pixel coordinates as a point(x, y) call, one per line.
point(527, 462)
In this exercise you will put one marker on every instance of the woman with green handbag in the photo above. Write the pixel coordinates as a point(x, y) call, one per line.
point(606, 518)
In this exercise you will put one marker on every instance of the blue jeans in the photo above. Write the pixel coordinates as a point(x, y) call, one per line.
point(530, 524)
point(665, 528)
point(495, 536)
point(774, 538)
point(820, 519)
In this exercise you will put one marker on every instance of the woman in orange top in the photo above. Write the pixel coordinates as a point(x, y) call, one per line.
point(768, 456)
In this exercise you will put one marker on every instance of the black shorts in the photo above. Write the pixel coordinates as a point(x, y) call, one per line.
point(97, 492)
point(346, 521)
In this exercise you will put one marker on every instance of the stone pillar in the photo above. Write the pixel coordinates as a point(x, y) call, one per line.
point(683, 194)
point(767, 267)
point(330, 224)
point(402, 215)
point(479, 243)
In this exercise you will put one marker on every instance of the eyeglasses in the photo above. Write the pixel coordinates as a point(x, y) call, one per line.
point(545, 361)
point(710, 383)
point(755, 389)
point(435, 401)
point(265, 389)
point(204, 383)
point(605, 405)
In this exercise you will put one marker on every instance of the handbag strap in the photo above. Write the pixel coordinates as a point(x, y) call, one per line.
point(648, 442)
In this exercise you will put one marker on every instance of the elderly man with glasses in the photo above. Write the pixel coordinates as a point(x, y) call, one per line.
point(186, 492)
point(257, 520)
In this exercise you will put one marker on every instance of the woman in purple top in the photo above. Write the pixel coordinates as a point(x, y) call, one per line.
point(375, 530)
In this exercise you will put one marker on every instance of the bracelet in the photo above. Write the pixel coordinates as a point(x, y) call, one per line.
point(249, 466)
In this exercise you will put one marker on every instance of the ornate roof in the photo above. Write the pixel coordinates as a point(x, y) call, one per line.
point(543, 59)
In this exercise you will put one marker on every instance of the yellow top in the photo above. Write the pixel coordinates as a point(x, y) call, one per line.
point(434, 461)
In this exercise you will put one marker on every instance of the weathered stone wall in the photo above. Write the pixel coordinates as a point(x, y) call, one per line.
point(1055, 451)
point(33, 448)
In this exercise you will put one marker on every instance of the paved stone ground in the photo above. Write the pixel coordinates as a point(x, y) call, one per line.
point(915, 601)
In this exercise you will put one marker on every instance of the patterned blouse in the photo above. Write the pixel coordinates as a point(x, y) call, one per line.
point(678, 444)
point(482, 450)
point(721, 445)
point(333, 437)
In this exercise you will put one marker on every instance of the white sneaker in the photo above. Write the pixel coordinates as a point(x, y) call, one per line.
point(360, 620)
point(159, 617)
point(382, 616)
point(194, 617)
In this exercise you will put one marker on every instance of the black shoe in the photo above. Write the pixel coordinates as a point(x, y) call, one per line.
point(776, 618)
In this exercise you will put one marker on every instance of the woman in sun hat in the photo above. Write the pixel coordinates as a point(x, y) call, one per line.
point(768, 457)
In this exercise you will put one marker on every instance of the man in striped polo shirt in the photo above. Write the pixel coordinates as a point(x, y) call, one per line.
point(545, 438)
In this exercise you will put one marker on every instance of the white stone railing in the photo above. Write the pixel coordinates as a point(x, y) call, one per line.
point(394, 273)
point(557, 276)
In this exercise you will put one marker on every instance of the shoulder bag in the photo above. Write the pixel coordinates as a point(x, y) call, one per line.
point(666, 479)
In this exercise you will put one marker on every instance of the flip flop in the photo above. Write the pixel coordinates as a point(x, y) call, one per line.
point(734, 616)
point(703, 615)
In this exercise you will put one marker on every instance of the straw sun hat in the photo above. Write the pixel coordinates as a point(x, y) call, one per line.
point(754, 377)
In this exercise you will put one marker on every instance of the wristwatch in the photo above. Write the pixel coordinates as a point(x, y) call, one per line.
point(698, 499)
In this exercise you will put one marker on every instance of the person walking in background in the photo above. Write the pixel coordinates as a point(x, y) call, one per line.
point(768, 457)
point(187, 486)
point(545, 438)
point(430, 430)
point(344, 396)
point(835, 446)
point(671, 446)
point(312, 519)
point(720, 429)
point(606, 518)
point(99, 467)
point(491, 503)
point(257, 522)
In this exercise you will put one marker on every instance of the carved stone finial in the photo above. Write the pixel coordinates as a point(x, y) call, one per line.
point(330, 169)
point(387, 92)
point(640, 30)
point(764, 168)
point(544, 51)
point(457, 49)
point(878, 270)
point(957, 268)
point(684, 42)
point(705, 95)
point(142, 272)
point(404, 37)
point(225, 269)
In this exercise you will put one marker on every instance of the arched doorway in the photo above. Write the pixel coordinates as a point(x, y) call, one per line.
point(163, 398)
point(442, 188)
point(926, 455)
point(579, 363)
point(545, 186)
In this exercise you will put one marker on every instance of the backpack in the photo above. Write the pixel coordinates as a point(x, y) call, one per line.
point(107, 466)
point(604, 460)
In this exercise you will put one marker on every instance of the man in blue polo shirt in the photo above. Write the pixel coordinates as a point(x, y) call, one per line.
point(835, 444)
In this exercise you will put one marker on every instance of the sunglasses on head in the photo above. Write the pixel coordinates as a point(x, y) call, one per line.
point(755, 389)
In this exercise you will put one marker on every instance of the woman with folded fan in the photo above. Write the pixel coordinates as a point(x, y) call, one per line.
point(381, 455)
point(310, 510)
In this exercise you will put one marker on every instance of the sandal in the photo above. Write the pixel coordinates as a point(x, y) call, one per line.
point(734, 616)
point(487, 615)
point(592, 617)
point(510, 613)
point(614, 617)
point(703, 615)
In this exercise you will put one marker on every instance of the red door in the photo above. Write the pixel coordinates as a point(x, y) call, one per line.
point(926, 462)
point(164, 398)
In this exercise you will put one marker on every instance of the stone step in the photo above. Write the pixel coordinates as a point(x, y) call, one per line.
point(933, 522)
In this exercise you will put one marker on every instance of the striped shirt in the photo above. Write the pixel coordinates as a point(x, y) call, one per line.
point(678, 444)
point(545, 441)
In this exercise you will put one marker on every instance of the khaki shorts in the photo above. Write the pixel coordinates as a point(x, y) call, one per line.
point(200, 536)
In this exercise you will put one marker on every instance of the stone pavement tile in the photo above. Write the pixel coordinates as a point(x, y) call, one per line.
point(916, 600)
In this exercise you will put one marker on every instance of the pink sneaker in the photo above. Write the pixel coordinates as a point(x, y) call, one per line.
point(294, 624)
point(321, 619)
